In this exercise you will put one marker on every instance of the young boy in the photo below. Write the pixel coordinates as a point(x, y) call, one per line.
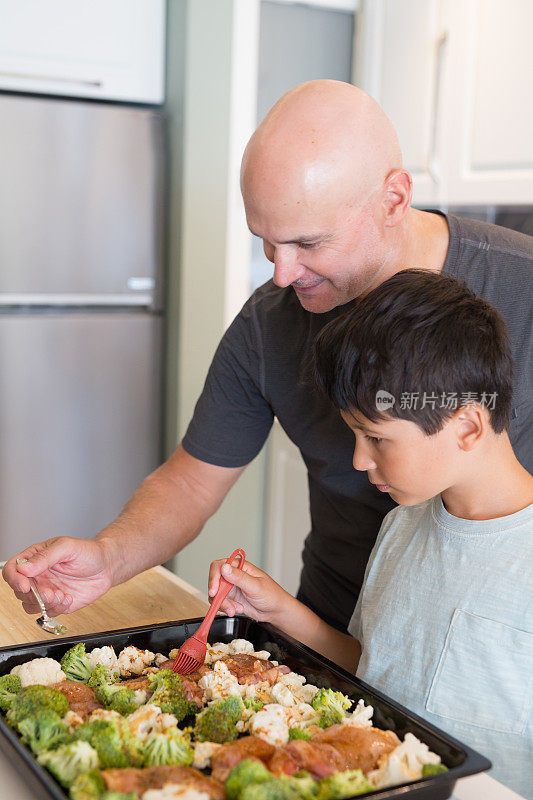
point(422, 373)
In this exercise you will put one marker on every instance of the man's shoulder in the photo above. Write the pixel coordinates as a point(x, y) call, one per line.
point(487, 255)
point(486, 236)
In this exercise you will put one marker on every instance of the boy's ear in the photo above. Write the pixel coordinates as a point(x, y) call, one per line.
point(471, 425)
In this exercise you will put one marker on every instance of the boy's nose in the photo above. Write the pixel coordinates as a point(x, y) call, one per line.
point(362, 461)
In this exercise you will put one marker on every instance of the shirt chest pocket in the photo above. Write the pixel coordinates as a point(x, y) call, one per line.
point(484, 676)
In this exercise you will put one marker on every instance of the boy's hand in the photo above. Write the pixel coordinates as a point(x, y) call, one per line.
point(254, 593)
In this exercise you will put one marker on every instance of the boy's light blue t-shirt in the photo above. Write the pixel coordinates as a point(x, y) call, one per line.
point(445, 619)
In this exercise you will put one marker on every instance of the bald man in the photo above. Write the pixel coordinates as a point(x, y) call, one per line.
point(324, 187)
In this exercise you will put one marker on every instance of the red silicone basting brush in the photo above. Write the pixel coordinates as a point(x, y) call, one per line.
point(192, 652)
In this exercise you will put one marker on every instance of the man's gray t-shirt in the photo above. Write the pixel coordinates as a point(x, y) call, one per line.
point(261, 370)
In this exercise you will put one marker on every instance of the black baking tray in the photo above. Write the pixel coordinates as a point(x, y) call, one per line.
point(460, 759)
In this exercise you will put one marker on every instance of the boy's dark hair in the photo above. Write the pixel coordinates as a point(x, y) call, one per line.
point(418, 332)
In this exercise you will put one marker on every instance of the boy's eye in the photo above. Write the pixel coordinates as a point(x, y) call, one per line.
point(376, 439)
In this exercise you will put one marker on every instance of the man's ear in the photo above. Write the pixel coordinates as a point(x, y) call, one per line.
point(471, 425)
point(398, 189)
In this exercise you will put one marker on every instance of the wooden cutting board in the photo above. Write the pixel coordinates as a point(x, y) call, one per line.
point(156, 595)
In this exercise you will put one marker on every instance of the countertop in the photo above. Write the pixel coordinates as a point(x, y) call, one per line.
point(156, 595)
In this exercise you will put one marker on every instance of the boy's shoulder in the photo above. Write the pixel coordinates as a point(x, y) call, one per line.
point(407, 515)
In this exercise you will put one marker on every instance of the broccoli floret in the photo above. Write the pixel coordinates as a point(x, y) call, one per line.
point(120, 796)
point(433, 769)
point(101, 675)
point(299, 733)
point(344, 784)
point(217, 722)
point(255, 705)
point(168, 748)
point(88, 786)
point(43, 731)
point(247, 772)
point(170, 695)
point(283, 787)
point(69, 761)
point(117, 698)
point(114, 743)
point(36, 698)
point(331, 707)
point(76, 665)
point(10, 687)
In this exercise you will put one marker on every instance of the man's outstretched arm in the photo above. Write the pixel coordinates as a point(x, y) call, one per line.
point(168, 510)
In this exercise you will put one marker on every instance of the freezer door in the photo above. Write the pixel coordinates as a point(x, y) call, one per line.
point(81, 205)
point(80, 422)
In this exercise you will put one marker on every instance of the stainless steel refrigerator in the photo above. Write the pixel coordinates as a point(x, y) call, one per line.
point(81, 232)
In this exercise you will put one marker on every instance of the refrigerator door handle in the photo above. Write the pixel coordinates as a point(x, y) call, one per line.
point(80, 300)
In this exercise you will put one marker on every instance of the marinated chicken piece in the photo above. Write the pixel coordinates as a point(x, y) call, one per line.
point(249, 669)
point(320, 760)
point(140, 780)
point(360, 748)
point(141, 682)
point(81, 698)
point(233, 753)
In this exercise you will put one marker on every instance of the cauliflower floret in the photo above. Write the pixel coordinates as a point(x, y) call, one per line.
point(203, 753)
point(44, 671)
point(303, 692)
point(259, 691)
point(243, 725)
point(72, 721)
point(403, 764)
point(241, 646)
point(148, 720)
point(362, 715)
point(282, 694)
point(105, 656)
point(216, 651)
point(173, 654)
point(301, 716)
point(271, 724)
point(306, 692)
point(262, 654)
point(104, 713)
point(133, 661)
point(160, 659)
point(175, 791)
point(219, 683)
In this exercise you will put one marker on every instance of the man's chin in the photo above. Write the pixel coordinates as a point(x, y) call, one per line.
point(318, 303)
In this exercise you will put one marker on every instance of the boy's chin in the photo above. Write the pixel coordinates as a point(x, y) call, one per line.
point(408, 498)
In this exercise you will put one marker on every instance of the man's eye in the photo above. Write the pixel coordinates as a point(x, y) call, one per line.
point(307, 245)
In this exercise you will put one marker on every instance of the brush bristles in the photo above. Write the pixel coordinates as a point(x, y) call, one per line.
point(184, 664)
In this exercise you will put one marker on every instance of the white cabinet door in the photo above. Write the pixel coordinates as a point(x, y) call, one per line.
point(399, 52)
point(490, 116)
point(456, 78)
point(108, 49)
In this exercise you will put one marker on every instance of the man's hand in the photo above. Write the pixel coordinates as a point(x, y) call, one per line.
point(254, 592)
point(69, 574)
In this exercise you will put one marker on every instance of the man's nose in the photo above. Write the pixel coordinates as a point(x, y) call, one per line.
point(286, 266)
point(362, 460)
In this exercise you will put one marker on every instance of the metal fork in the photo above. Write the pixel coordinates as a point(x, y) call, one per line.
point(45, 622)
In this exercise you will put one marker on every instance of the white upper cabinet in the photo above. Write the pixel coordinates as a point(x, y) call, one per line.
point(456, 78)
point(489, 97)
point(398, 61)
point(106, 49)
